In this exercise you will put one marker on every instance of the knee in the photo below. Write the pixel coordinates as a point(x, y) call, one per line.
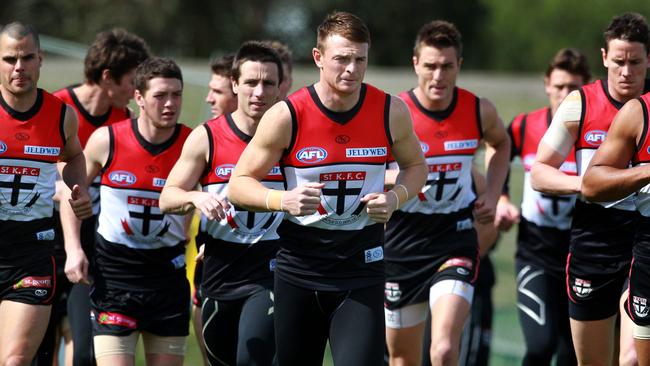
point(443, 353)
point(627, 357)
point(404, 360)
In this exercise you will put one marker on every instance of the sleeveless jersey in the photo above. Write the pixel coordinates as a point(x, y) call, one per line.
point(87, 125)
point(130, 220)
point(526, 131)
point(338, 247)
point(642, 157)
point(598, 111)
point(240, 250)
point(30, 145)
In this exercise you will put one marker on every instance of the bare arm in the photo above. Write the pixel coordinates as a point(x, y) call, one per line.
point(554, 148)
point(497, 161)
point(608, 177)
point(487, 233)
point(73, 169)
point(178, 196)
point(272, 137)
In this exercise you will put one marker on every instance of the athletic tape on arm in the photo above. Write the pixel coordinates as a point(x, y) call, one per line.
point(558, 136)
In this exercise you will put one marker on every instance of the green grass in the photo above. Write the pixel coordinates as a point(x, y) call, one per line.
point(511, 94)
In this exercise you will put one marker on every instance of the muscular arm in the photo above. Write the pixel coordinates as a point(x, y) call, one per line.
point(608, 177)
point(178, 196)
point(554, 148)
point(487, 233)
point(497, 161)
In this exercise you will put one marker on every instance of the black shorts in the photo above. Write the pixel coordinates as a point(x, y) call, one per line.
point(165, 313)
point(28, 279)
point(637, 304)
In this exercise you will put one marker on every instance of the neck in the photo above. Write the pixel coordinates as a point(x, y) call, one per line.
point(334, 100)
point(153, 134)
point(19, 102)
point(245, 123)
point(93, 99)
point(433, 105)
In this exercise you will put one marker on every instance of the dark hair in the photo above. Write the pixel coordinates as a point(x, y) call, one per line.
point(283, 51)
point(222, 66)
point(631, 27)
point(259, 52)
point(346, 25)
point(115, 50)
point(572, 61)
point(19, 30)
point(439, 34)
point(156, 67)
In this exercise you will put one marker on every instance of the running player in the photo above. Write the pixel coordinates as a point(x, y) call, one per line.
point(220, 96)
point(109, 69)
point(431, 244)
point(139, 273)
point(38, 130)
point(240, 246)
point(332, 139)
point(544, 229)
point(602, 233)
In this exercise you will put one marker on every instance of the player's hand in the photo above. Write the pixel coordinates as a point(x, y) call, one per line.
point(76, 266)
point(484, 210)
point(380, 206)
point(506, 215)
point(211, 205)
point(303, 200)
point(200, 254)
point(80, 202)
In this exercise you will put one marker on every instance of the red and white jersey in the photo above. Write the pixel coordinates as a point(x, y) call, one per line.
point(227, 142)
point(598, 112)
point(526, 131)
point(30, 145)
point(448, 140)
point(642, 157)
point(346, 151)
point(132, 180)
point(87, 125)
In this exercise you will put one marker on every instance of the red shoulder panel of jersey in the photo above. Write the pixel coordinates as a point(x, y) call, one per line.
point(136, 164)
point(37, 134)
point(227, 142)
point(598, 111)
point(457, 133)
point(642, 154)
point(323, 137)
point(88, 123)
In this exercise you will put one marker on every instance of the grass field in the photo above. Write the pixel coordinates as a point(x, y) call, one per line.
point(511, 94)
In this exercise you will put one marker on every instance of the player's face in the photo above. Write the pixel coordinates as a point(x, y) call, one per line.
point(120, 92)
point(437, 70)
point(161, 102)
point(20, 64)
point(342, 62)
point(257, 87)
point(626, 63)
point(220, 96)
point(286, 83)
point(559, 84)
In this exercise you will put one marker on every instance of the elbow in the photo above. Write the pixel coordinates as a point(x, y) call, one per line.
point(164, 202)
point(535, 177)
point(589, 188)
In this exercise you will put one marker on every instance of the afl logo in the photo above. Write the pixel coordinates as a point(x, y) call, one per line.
point(122, 178)
point(595, 137)
point(342, 139)
point(311, 155)
point(21, 136)
point(424, 146)
point(3, 147)
point(224, 171)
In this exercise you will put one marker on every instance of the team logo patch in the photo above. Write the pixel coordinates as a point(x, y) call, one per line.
point(275, 171)
point(342, 139)
point(145, 222)
point(32, 281)
point(122, 178)
point(17, 193)
point(392, 291)
point(151, 169)
point(424, 146)
point(640, 306)
point(441, 134)
point(40, 292)
point(342, 195)
point(461, 262)
point(463, 225)
point(374, 255)
point(179, 261)
point(272, 264)
point(224, 171)
point(21, 136)
point(595, 137)
point(42, 150)
point(366, 152)
point(311, 155)
point(582, 288)
point(3, 147)
point(47, 235)
point(445, 167)
point(121, 320)
point(159, 182)
point(461, 145)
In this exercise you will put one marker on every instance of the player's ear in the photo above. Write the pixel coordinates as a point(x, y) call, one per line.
point(318, 57)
